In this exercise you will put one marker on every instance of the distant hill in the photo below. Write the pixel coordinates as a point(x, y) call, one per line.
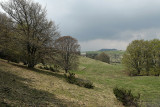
point(107, 50)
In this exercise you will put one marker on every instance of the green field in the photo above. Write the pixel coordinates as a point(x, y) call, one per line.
point(111, 76)
point(20, 86)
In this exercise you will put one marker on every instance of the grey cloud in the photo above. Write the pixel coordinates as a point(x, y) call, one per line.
point(106, 19)
point(111, 20)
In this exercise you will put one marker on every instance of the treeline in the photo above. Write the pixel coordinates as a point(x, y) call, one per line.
point(112, 56)
point(28, 36)
point(142, 57)
point(101, 56)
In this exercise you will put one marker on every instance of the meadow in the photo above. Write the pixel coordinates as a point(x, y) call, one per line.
point(21, 86)
point(110, 76)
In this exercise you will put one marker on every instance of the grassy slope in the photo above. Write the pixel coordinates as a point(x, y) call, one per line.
point(22, 86)
point(109, 76)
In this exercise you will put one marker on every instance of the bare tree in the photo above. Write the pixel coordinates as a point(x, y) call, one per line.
point(5, 30)
point(67, 49)
point(35, 31)
point(6, 36)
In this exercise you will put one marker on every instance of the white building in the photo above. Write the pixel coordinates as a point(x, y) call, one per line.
point(83, 54)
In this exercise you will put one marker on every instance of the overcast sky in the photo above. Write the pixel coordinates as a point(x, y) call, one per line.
point(105, 23)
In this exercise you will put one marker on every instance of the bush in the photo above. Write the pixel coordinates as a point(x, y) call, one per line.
point(41, 67)
point(91, 55)
point(103, 57)
point(126, 97)
point(71, 78)
point(80, 82)
point(48, 68)
point(3, 104)
point(133, 73)
point(52, 69)
point(88, 84)
point(84, 83)
point(154, 72)
point(143, 73)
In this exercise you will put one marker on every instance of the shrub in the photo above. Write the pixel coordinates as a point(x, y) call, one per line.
point(47, 68)
point(71, 78)
point(143, 73)
point(103, 57)
point(154, 72)
point(80, 82)
point(133, 73)
point(91, 55)
point(3, 104)
point(126, 97)
point(41, 67)
point(89, 84)
point(52, 69)
point(84, 83)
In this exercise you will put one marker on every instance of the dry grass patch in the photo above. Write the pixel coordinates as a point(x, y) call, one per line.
point(33, 87)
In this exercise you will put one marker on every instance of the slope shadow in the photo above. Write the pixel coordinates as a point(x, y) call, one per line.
point(80, 82)
point(15, 92)
point(46, 72)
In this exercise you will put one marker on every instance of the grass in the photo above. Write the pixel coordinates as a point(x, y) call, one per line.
point(20, 86)
point(110, 76)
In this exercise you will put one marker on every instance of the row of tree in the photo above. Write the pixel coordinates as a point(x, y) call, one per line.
point(143, 57)
point(101, 56)
point(28, 36)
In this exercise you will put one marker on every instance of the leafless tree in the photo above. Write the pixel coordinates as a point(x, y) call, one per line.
point(67, 49)
point(6, 36)
point(5, 30)
point(35, 31)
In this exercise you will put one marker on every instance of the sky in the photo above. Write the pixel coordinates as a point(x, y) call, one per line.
point(98, 24)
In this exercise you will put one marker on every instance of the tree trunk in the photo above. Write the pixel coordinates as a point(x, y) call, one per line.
point(31, 62)
point(138, 72)
point(66, 70)
point(31, 65)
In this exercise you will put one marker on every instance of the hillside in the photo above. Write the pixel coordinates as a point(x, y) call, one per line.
point(20, 86)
